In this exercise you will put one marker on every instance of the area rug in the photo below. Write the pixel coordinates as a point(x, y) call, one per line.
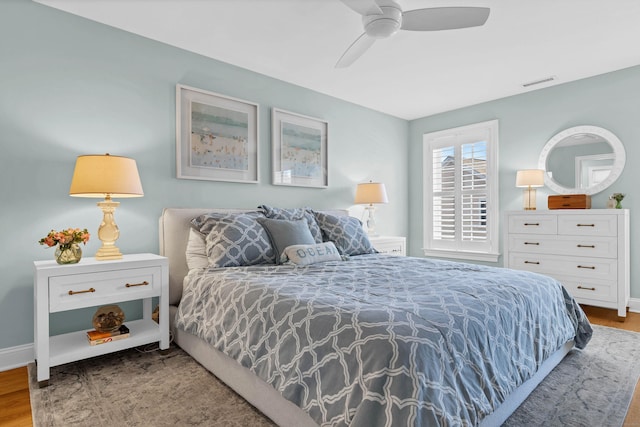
point(129, 388)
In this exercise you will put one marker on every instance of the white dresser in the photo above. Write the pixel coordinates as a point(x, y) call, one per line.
point(587, 250)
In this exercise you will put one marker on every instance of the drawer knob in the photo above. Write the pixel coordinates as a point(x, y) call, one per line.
point(585, 225)
point(131, 285)
point(535, 224)
point(532, 243)
point(81, 292)
point(532, 262)
point(587, 246)
point(590, 267)
point(585, 288)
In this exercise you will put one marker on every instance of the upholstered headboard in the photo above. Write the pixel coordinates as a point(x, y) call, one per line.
point(174, 233)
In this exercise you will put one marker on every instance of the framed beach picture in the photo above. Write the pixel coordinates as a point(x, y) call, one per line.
point(299, 150)
point(216, 137)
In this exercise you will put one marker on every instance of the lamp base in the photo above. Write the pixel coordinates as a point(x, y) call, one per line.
point(106, 253)
point(108, 232)
point(371, 221)
point(529, 199)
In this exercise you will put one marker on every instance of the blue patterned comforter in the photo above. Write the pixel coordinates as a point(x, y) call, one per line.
point(379, 338)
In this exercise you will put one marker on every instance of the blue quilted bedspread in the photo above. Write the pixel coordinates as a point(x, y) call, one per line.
point(380, 340)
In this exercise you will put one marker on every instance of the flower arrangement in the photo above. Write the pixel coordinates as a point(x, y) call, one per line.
point(65, 238)
point(618, 197)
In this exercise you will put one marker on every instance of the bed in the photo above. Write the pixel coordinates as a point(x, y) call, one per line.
point(378, 353)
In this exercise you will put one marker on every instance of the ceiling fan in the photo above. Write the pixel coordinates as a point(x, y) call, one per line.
point(383, 18)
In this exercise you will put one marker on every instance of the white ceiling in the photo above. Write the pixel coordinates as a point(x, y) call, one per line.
point(411, 74)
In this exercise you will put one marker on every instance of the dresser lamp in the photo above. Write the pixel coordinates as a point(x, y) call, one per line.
point(371, 193)
point(110, 177)
point(529, 179)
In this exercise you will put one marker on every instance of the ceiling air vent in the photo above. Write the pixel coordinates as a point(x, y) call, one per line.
point(538, 82)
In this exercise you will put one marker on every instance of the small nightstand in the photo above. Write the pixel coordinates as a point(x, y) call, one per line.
point(94, 283)
point(390, 245)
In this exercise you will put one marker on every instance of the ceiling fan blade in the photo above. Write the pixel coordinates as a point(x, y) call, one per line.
point(444, 18)
point(364, 7)
point(355, 51)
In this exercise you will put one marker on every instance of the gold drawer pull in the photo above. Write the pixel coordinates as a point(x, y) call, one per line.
point(532, 243)
point(587, 266)
point(585, 225)
point(532, 262)
point(131, 285)
point(532, 223)
point(585, 288)
point(81, 292)
point(587, 246)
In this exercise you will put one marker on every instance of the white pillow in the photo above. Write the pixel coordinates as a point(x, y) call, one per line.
point(196, 251)
point(311, 254)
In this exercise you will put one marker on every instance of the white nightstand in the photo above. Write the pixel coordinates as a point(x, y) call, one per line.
point(390, 245)
point(93, 283)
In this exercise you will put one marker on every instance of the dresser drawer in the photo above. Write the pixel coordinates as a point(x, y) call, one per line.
point(533, 224)
point(583, 246)
point(92, 289)
point(593, 225)
point(552, 265)
point(589, 290)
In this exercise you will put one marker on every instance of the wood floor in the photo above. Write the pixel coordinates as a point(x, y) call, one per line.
point(15, 407)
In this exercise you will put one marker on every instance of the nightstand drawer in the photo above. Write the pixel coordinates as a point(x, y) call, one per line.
point(390, 245)
point(92, 289)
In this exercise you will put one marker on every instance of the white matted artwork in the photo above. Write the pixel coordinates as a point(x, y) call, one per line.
point(299, 150)
point(216, 137)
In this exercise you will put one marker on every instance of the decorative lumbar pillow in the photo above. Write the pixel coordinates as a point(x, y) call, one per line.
point(235, 239)
point(311, 254)
point(285, 233)
point(346, 232)
point(292, 214)
point(196, 251)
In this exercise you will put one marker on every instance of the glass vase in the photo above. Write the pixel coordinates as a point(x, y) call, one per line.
point(68, 254)
point(618, 204)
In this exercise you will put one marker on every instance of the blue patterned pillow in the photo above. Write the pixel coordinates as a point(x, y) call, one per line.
point(235, 239)
point(346, 232)
point(293, 214)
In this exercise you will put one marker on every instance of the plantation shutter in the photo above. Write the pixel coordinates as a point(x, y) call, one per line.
point(460, 195)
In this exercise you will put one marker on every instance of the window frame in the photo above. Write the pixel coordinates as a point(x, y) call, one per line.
point(458, 249)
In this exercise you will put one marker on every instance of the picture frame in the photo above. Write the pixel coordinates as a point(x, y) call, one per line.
point(216, 137)
point(299, 150)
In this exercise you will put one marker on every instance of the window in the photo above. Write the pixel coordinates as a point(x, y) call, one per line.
point(461, 192)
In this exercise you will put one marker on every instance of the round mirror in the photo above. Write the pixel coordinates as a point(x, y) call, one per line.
point(582, 160)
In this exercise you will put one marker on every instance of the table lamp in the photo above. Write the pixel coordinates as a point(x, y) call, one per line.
point(109, 177)
point(370, 193)
point(530, 179)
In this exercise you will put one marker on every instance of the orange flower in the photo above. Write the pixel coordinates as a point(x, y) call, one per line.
point(65, 237)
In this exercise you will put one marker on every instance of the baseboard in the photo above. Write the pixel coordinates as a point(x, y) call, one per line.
point(634, 305)
point(16, 357)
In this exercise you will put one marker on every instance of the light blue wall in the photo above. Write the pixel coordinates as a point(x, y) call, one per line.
point(70, 86)
point(527, 122)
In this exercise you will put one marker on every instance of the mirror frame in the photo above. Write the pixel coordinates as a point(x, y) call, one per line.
point(616, 170)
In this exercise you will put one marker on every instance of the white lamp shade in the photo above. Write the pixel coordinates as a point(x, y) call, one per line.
point(371, 192)
point(105, 175)
point(530, 178)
